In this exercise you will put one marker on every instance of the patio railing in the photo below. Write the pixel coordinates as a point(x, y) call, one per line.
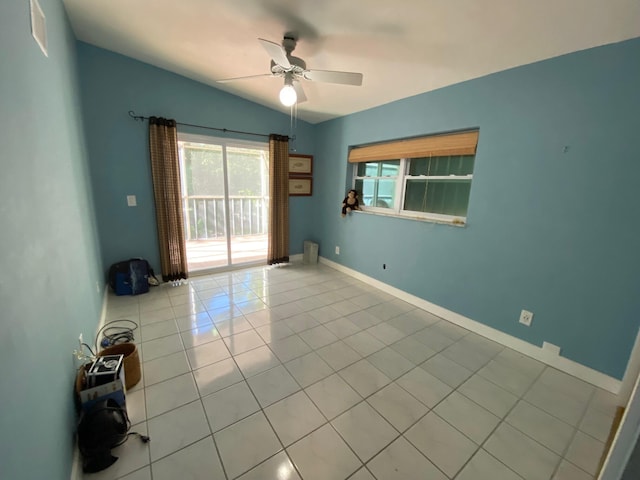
point(205, 216)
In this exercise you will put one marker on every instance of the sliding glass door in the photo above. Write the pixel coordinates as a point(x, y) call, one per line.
point(225, 201)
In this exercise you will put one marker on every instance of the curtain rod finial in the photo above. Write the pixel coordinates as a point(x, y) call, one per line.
point(133, 115)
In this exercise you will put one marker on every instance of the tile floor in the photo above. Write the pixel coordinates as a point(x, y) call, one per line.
point(302, 372)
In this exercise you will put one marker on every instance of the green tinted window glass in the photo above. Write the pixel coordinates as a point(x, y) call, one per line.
point(418, 166)
point(358, 187)
point(438, 196)
point(415, 197)
point(442, 166)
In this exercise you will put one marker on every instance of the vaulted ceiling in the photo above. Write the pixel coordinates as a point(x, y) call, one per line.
point(402, 48)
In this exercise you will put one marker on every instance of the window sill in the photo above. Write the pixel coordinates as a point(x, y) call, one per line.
point(451, 221)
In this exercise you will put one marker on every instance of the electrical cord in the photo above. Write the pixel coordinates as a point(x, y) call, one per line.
point(123, 412)
point(143, 438)
point(114, 334)
point(89, 348)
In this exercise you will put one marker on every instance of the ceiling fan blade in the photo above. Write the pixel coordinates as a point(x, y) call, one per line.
point(276, 52)
point(227, 80)
point(297, 86)
point(327, 76)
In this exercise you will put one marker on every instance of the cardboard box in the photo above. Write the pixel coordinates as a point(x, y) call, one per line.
point(115, 389)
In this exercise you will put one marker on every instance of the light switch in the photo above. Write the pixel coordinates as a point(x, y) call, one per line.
point(131, 201)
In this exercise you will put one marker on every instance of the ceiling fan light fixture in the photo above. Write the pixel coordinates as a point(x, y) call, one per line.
point(288, 95)
point(294, 69)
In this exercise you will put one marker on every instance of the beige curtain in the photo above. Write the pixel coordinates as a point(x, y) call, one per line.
point(165, 170)
point(278, 245)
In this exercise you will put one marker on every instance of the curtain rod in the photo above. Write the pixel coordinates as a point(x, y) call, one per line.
point(140, 118)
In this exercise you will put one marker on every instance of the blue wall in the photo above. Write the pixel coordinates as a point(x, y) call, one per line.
point(118, 146)
point(48, 244)
point(552, 232)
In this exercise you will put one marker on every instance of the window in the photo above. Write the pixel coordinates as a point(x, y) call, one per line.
point(376, 183)
point(428, 177)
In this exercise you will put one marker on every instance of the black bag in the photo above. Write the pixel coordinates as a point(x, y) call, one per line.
point(131, 277)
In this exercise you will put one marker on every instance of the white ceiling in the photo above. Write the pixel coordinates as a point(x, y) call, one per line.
point(403, 47)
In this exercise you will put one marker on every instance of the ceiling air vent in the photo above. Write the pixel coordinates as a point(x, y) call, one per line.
point(39, 26)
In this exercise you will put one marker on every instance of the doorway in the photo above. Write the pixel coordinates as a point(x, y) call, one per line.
point(225, 201)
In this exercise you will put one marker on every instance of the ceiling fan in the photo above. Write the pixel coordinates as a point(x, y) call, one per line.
point(294, 69)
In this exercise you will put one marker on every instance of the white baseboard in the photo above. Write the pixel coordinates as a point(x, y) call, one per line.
point(103, 315)
point(76, 467)
point(578, 370)
point(103, 312)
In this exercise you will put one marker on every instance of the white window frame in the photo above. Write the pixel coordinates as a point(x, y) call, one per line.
point(400, 192)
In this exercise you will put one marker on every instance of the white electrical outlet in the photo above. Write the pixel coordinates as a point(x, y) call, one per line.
point(526, 317)
point(337, 250)
point(80, 342)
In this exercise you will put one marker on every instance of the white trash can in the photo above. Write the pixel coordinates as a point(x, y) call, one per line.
point(310, 252)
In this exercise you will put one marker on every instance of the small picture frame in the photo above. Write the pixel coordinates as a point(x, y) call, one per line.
point(300, 186)
point(300, 164)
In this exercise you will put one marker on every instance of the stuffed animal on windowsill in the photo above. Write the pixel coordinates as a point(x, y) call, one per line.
point(350, 202)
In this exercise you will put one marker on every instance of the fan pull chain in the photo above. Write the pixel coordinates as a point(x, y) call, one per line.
point(293, 124)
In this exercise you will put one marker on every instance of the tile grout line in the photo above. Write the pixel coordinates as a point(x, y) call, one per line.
point(364, 399)
point(503, 420)
point(576, 429)
point(261, 409)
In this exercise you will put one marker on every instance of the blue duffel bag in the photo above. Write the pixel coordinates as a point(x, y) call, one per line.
point(131, 277)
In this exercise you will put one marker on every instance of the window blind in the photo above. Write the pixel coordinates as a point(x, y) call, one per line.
point(463, 143)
